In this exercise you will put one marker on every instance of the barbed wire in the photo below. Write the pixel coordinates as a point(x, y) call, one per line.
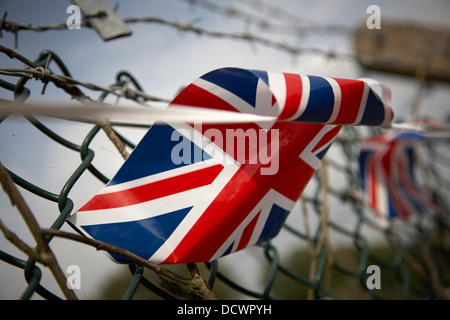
point(45, 75)
point(286, 23)
point(265, 25)
point(318, 242)
point(189, 27)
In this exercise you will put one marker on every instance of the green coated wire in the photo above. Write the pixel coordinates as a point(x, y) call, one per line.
point(318, 284)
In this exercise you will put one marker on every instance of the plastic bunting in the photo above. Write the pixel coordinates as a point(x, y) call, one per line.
point(387, 166)
point(194, 192)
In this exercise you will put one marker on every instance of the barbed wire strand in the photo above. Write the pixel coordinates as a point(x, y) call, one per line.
point(425, 267)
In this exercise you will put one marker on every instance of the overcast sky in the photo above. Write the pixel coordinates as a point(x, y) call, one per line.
point(163, 60)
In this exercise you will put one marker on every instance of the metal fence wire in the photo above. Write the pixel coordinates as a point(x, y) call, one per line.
point(411, 267)
point(413, 258)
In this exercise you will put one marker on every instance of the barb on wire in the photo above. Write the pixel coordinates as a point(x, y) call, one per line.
point(45, 75)
point(13, 26)
point(272, 19)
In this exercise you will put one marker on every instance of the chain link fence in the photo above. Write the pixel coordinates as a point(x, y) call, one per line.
point(329, 248)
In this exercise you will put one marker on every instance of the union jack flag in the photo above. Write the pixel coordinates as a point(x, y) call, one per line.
point(184, 195)
point(387, 174)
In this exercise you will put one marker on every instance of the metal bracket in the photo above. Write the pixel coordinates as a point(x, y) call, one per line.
point(103, 19)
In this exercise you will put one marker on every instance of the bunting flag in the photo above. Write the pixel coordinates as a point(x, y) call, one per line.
point(387, 163)
point(194, 192)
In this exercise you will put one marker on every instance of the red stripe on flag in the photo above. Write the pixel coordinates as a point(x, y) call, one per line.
point(351, 95)
point(293, 95)
point(195, 96)
point(154, 190)
point(247, 233)
point(232, 205)
point(389, 164)
point(327, 138)
point(406, 209)
point(372, 185)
